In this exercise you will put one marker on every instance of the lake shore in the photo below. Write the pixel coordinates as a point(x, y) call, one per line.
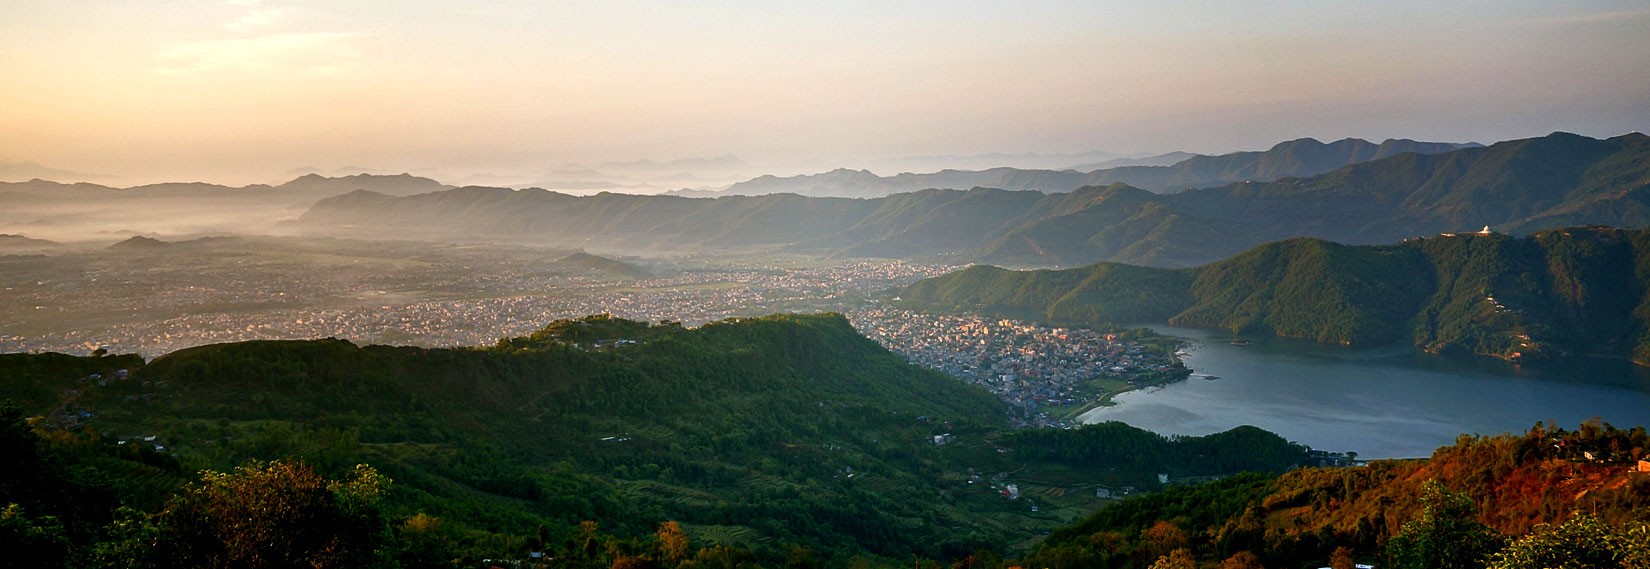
point(1384, 402)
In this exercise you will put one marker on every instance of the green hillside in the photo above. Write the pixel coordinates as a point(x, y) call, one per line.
point(726, 425)
point(763, 435)
point(1567, 291)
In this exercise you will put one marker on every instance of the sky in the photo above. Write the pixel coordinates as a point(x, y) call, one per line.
point(245, 91)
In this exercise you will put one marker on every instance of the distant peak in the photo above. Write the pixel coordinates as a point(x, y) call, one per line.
point(1559, 134)
point(140, 242)
point(1297, 142)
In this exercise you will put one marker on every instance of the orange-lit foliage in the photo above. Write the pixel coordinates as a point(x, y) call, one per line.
point(1514, 483)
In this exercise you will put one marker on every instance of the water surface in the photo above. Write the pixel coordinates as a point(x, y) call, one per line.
point(1385, 402)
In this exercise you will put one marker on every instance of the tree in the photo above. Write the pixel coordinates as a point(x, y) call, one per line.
point(1163, 537)
point(1341, 558)
point(634, 562)
point(129, 543)
point(425, 543)
point(1582, 542)
point(1177, 559)
point(1638, 546)
point(275, 515)
point(1445, 536)
point(673, 543)
point(801, 558)
point(717, 557)
point(29, 541)
point(1242, 560)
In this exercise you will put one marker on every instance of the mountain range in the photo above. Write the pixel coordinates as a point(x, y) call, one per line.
point(1302, 157)
point(1555, 293)
point(15, 244)
point(83, 212)
point(305, 186)
point(1516, 186)
point(1165, 159)
point(10, 171)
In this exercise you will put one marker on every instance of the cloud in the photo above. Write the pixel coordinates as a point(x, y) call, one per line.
point(256, 19)
point(1580, 18)
point(309, 52)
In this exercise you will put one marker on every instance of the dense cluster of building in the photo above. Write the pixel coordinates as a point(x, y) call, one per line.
point(1030, 366)
point(469, 309)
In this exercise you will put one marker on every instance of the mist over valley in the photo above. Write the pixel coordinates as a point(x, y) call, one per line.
point(1105, 285)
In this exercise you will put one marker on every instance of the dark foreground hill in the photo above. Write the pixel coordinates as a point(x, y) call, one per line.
point(1517, 187)
point(1566, 291)
point(770, 438)
point(99, 478)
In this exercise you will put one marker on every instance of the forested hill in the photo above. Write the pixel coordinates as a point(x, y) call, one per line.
point(1577, 290)
point(763, 437)
point(1550, 497)
point(1302, 157)
point(653, 446)
point(1517, 187)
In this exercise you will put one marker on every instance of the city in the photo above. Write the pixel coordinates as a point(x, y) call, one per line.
point(1049, 374)
point(78, 303)
point(415, 295)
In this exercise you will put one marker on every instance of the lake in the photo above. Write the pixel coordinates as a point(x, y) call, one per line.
point(1389, 402)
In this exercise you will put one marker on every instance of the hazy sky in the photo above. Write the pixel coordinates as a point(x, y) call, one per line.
point(244, 90)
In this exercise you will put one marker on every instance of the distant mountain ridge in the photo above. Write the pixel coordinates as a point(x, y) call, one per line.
point(1302, 157)
point(1577, 290)
point(307, 184)
point(1165, 159)
point(11, 243)
point(19, 171)
point(1516, 186)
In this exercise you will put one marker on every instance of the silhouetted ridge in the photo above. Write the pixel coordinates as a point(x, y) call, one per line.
point(1517, 187)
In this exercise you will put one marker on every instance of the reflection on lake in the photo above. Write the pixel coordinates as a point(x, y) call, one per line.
point(1381, 402)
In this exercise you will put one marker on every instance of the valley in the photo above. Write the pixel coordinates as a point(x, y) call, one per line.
point(295, 284)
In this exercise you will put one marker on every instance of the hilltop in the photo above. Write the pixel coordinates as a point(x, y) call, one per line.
point(1555, 293)
point(612, 268)
point(140, 243)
